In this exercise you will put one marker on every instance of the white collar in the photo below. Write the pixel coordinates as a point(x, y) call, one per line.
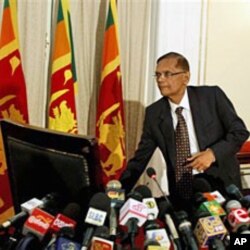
point(183, 103)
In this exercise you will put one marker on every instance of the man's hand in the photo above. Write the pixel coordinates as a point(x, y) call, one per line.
point(202, 160)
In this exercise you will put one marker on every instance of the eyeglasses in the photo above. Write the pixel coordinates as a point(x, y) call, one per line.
point(166, 74)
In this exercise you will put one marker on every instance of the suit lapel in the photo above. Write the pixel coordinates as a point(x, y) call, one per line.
point(198, 119)
point(166, 128)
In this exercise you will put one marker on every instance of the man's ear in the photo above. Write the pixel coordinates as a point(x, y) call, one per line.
point(187, 77)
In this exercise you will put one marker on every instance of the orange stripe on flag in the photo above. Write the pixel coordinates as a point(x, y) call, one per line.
point(7, 29)
point(110, 46)
point(61, 48)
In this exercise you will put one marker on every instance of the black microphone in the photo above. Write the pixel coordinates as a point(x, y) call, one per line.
point(166, 210)
point(185, 229)
point(152, 208)
point(234, 192)
point(201, 184)
point(99, 208)
point(133, 213)
point(245, 202)
point(64, 224)
point(152, 228)
point(152, 175)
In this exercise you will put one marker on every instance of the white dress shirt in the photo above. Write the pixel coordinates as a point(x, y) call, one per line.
point(186, 112)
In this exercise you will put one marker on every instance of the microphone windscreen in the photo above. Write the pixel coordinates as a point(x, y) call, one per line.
point(245, 201)
point(200, 184)
point(100, 201)
point(144, 191)
point(150, 172)
point(234, 191)
point(72, 210)
point(232, 204)
point(164, 208)
point(53, 203)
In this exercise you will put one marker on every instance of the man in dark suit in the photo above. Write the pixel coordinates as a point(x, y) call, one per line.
point(215, 131)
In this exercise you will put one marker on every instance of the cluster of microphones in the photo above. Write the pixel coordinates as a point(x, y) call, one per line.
point(129, 222)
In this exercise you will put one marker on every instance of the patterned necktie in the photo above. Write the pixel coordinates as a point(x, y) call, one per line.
point(183, 175)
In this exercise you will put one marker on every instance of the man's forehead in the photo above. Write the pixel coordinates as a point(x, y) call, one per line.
point(167, 63)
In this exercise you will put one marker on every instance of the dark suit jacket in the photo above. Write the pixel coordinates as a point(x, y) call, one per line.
point(217, 126)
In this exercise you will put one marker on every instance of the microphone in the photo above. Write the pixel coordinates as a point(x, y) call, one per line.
point(67, 218)
point(237, 216)
point(166, 210)
point(117, 196)
point(245, 202)
point(153, 232)
point(201, 184)
point(206, 201)
point(99, 207)
point(133, 213)
point(47, 203)
point(152, 208)
point(185, 229)
point(133, 209)
point(234, 192)
point(64, 222)
point(152, 175)
point(38, 223)
point(26, 208)
point(232, 204)
point(209, 228)
point(115, 192)
point(35, 229)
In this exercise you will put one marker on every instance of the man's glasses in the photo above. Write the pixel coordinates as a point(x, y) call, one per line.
point(166, 74)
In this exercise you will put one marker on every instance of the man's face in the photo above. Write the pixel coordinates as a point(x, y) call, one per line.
point(172, 81)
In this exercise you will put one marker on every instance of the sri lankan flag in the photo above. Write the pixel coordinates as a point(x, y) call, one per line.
point(62, 108)
point(13, 99)
point(110, 126)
